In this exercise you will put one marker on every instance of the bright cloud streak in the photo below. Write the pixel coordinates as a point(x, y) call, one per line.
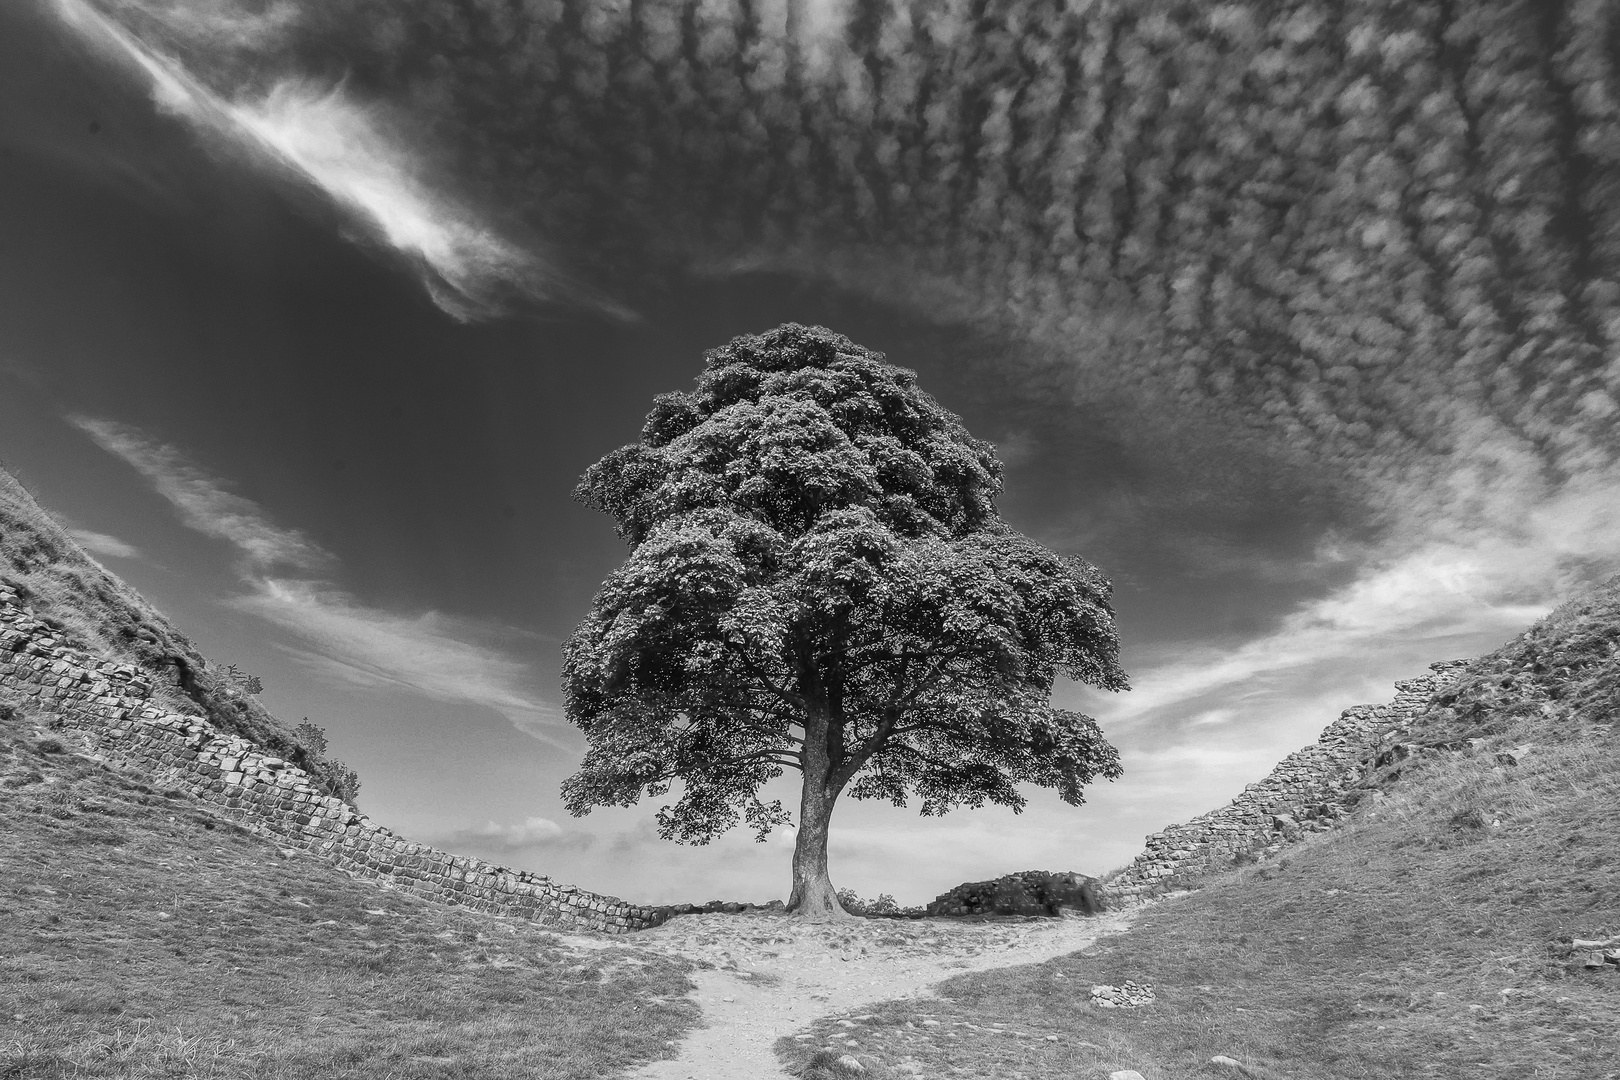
point(429, 653)
point(204, 502)
point(104, 545)
point(1438, 601)
point(324, 138)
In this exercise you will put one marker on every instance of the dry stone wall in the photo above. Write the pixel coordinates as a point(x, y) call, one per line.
point(1305, 793)
point(106, 706)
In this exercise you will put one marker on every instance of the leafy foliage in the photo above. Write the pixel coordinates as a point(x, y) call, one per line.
point(237, 680)
point(92, 608)
point(333, 774)
point(856, 904)
point(818, 580)
point(311, 736)
point(1438, 927)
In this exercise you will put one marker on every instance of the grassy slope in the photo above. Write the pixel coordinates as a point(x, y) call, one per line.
point(1427, 938)
point(95, 610)
point(142, 938)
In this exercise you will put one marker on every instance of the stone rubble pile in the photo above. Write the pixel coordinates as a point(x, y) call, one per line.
point(1033, 892)
point(1305, 793)
point(1593, 954)
point(104, 706)
point(1128, 995)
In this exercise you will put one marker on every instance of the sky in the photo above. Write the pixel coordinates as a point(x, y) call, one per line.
point(312, 315)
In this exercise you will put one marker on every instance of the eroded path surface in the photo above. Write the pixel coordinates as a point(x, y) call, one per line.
point(773, 975)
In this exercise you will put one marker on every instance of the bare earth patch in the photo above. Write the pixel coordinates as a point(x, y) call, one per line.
point(773, 975)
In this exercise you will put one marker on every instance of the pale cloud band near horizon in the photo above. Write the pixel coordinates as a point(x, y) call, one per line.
point(440, 656)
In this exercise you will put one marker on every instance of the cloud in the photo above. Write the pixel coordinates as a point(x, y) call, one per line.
point(1410, 312)
point(527, 835)
point(204, 502)
point(1205, 718)
point(324, 138)
point(1493, 581)
point(429, 653)
point(1146, 206)
point(105, 545)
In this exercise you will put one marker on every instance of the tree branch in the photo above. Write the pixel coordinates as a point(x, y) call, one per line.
point(927, 681)
point(873, 743)
point(792, 759)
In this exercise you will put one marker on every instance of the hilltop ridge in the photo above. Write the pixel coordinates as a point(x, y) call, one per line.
point(89, 607)
point(106, 709)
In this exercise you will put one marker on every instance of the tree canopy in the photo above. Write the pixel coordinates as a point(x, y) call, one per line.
point(818, 580)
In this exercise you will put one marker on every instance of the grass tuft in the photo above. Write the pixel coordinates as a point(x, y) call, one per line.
point(1429, 936)
point(141, 938)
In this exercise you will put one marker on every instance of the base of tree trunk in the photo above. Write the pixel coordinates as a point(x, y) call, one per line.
point(816, 901)
point(833, 912)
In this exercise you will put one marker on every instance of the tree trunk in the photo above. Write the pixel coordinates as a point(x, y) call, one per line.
point(813, 896)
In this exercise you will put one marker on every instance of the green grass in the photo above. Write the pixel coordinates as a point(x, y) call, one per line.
point(140, 937)
point(93, 609)
point(1380, 950)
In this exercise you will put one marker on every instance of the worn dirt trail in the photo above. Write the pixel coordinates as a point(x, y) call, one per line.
point(773, 975)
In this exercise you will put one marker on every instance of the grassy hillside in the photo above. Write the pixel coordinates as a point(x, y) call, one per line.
point(1429, 937)
point(140, 937)
point(93, 609)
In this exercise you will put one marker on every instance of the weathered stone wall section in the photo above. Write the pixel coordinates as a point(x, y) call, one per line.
point(106, 708)
point(1305, 793)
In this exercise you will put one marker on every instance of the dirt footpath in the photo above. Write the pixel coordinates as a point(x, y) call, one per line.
point(773, 975)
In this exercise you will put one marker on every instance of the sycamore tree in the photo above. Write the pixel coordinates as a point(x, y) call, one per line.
point(818, 580)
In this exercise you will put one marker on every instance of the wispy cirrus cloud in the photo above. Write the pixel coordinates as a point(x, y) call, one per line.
point(100, 543)
point(323, 137)
point(1205, 718)
point(204, 502)
point(430, 653)
point(439, 656)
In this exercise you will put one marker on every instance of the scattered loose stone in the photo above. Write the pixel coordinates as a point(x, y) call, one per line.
point(1131, 995)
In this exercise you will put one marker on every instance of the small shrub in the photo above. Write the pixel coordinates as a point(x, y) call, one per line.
point(827, 1065)
point(237, 681)
point(1470, 819)
point(309, 751)
point(311, 736)
point(884, 905)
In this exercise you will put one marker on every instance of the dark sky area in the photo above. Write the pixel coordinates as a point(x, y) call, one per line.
point(311, 316)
